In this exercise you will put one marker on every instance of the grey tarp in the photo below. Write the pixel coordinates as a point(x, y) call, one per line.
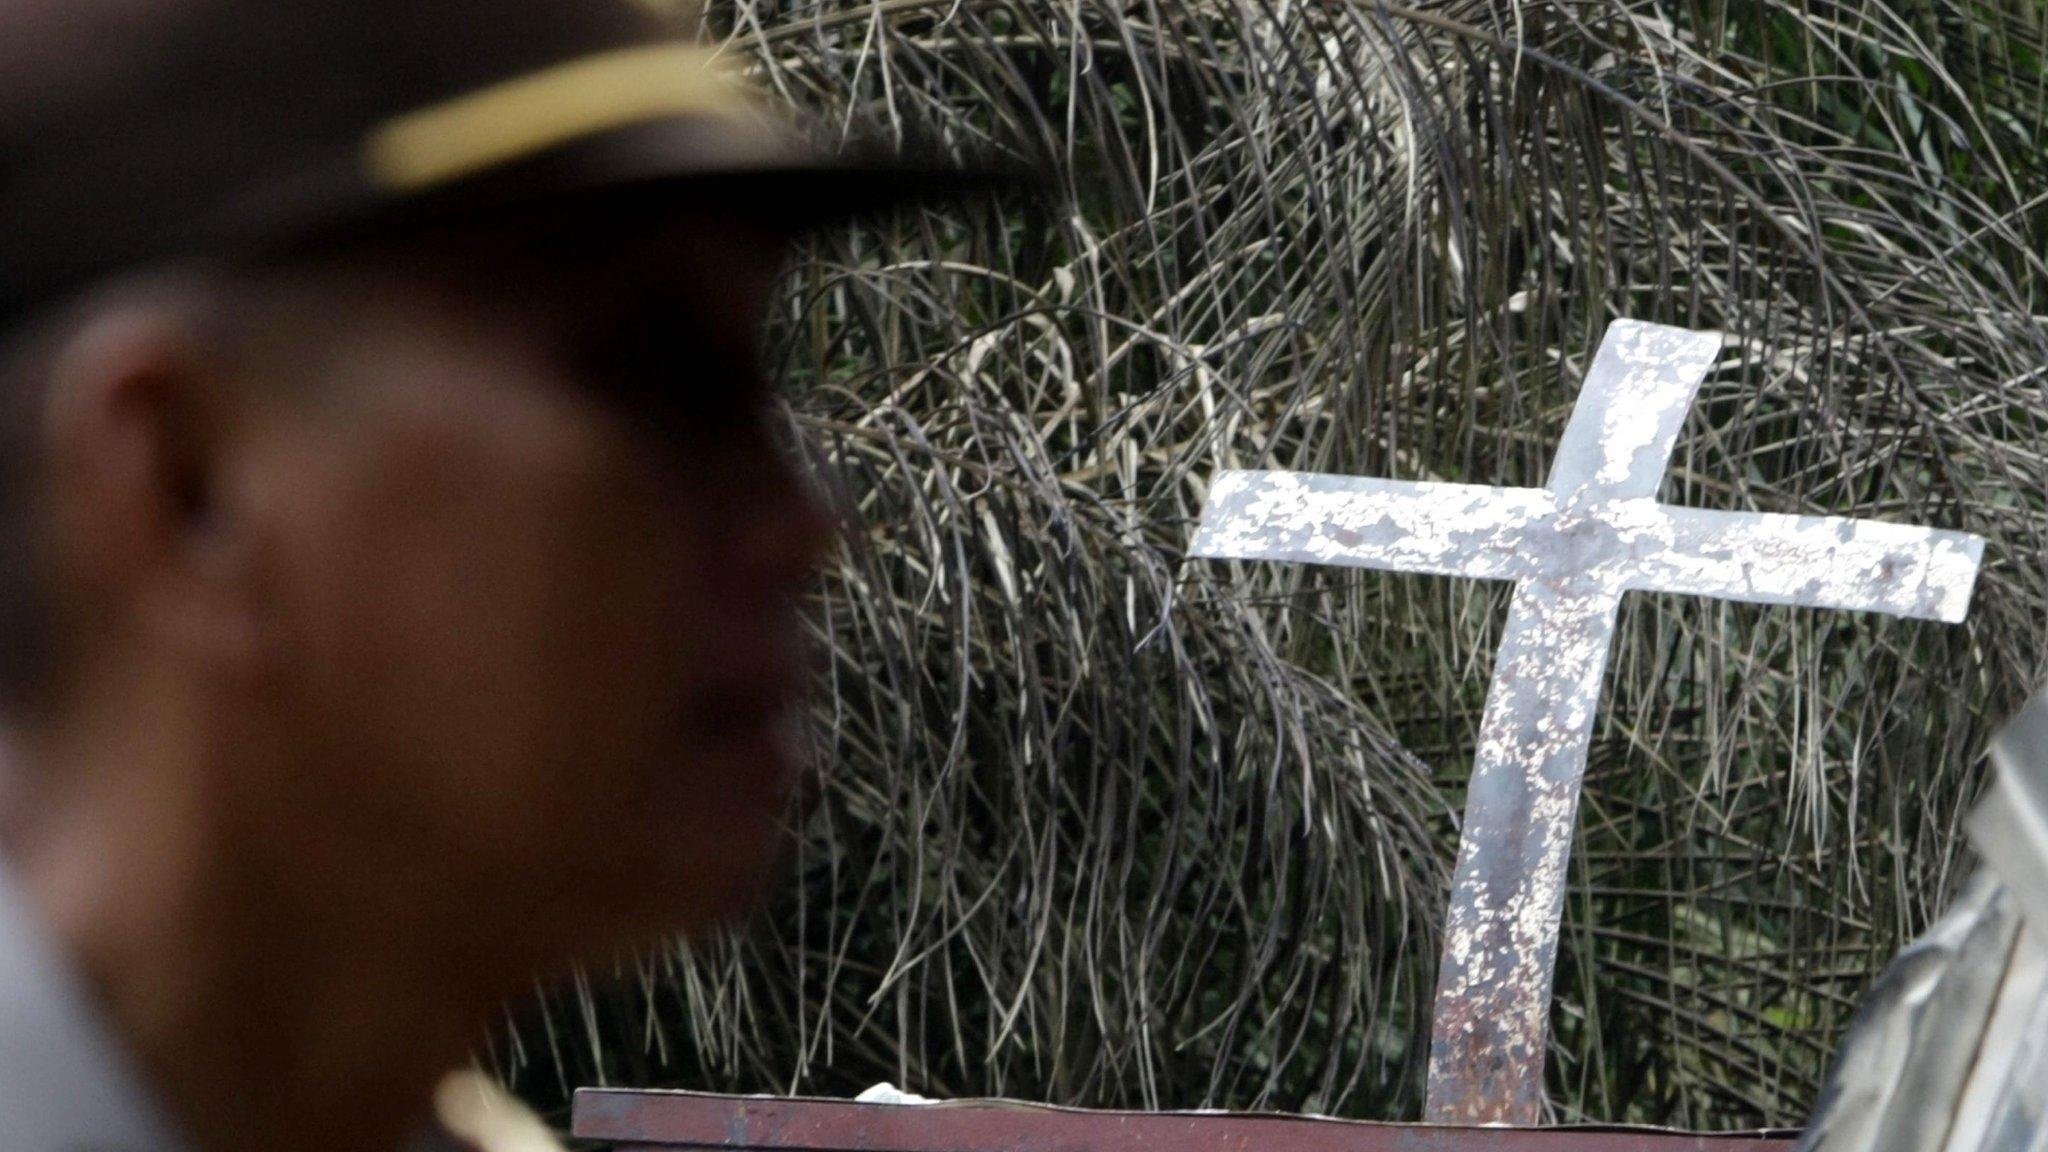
point(1950, 1050)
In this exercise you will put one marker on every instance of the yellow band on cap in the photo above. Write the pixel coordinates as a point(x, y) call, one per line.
point(527, 115)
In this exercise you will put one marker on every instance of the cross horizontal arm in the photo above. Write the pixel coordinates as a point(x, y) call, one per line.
point(1811, 561)
point(1359, 522)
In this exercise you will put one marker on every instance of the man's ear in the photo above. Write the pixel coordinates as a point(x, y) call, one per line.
point(135, 426)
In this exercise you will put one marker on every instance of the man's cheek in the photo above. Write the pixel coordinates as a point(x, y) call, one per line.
point(735, 854)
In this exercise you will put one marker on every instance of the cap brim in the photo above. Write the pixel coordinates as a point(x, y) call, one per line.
point(655, 124)
point(707, 163)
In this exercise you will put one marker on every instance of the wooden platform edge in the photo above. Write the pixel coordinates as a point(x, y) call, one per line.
point(651, 1120)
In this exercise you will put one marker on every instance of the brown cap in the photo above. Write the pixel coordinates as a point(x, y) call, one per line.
point(134, 131)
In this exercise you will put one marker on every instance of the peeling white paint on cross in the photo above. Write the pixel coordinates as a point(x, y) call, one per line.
point(1573, 547)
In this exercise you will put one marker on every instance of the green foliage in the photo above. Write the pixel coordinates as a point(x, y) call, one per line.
point(1102, 826)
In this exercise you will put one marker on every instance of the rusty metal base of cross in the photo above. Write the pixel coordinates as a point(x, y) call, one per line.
point(655, 1121)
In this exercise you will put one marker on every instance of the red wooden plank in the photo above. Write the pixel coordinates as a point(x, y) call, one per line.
point(651, 1121)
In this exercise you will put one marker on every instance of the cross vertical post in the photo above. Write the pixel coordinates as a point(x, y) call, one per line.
point(1573, 548)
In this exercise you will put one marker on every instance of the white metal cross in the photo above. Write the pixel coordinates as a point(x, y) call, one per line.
point(1573, 547)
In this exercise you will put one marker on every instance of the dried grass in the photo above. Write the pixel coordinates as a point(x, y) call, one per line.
point(1105, 827)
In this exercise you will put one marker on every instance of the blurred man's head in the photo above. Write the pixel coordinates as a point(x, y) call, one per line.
point(447, 553)
point(401, 576)
point(459, 572)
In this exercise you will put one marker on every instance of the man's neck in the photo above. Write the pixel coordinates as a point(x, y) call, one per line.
point(260, 1024)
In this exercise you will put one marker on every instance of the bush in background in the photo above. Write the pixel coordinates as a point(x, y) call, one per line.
point(1102, 826)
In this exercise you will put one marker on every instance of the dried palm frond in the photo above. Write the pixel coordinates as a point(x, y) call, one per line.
point(1102, 826)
